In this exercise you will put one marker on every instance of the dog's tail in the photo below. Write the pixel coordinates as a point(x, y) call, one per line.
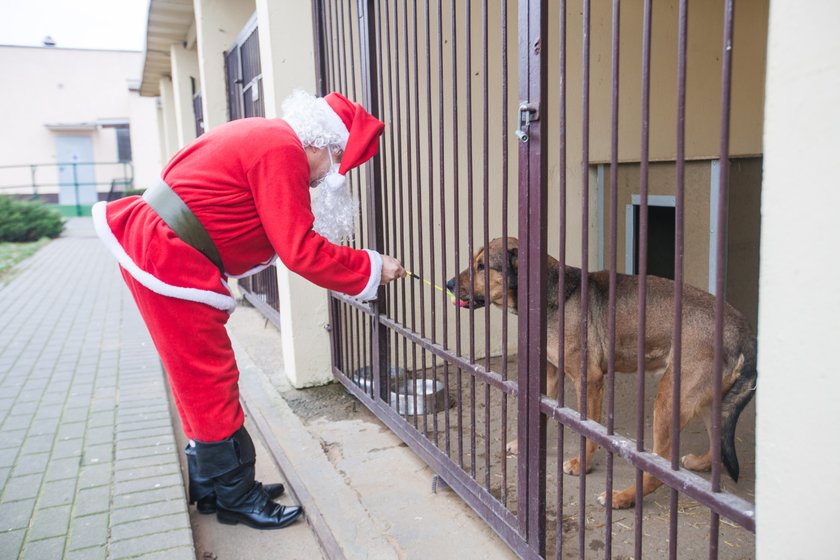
point(738, 396)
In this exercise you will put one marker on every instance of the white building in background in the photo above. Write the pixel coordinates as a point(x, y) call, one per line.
point(75, 106)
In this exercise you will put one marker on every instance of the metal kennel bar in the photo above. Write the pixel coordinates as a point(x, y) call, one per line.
point(679, 243)
point(720, 279)
point(438, 73)
point(584, 260)
point(643, 244)
point(612, 265)
point(561, 325)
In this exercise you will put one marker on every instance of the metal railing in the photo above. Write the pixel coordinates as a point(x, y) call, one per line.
point(76, 184)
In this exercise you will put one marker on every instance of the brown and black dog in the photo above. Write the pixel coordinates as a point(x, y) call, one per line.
point(698, 324)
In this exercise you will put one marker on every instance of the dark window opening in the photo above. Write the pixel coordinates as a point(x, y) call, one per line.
point(123, 144)
point(198, 110)
point(660, 251)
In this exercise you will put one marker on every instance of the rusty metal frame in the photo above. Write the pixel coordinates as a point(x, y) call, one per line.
point(533, 237)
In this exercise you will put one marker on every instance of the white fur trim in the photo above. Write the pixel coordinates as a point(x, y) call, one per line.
point(334, 122)
point(369, 293)
point(213, 299)
point(258, 268)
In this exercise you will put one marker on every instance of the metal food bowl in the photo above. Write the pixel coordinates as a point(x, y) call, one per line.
point(430, 394)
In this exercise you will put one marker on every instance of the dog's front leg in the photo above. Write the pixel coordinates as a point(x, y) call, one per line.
point(594, 398)
point(552, 389)
point(553, 386)
point(552, 381)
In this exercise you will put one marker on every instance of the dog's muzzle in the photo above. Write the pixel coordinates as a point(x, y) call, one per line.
point(473, 303)
point(464, 301)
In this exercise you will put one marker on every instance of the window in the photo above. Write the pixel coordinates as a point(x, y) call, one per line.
point(198, 110)
point(123, 143)
point(243, 74)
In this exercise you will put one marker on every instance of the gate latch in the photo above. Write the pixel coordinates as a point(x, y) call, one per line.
point(527, 114)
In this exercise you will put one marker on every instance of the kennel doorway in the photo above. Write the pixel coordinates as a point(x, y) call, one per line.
point(661, 221)
point(243, 78)
point(495, 112)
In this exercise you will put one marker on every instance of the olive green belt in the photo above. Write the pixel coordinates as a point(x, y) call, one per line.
point(180, 219)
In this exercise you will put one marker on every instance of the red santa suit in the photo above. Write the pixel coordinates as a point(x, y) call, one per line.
point(248, 184)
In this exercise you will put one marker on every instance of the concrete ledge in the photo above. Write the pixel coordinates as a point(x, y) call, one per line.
point(341, 522)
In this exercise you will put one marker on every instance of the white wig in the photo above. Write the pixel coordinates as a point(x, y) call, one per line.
point(314, 121)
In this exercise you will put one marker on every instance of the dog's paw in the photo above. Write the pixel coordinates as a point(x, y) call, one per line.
point(698, 464)
point(512, 447)
point(618, 500)
point(572, 467)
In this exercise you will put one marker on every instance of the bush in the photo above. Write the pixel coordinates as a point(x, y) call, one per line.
point(28, 221)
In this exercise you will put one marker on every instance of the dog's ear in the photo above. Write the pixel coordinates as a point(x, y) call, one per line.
point(513, 267)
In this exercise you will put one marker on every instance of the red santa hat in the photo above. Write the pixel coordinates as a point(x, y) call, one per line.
point(363, 130)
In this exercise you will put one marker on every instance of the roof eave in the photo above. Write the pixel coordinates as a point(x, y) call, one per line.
point(169, 23)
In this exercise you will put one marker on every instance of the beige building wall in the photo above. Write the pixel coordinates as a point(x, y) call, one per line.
point(72, 92)
point(145, 146)
point(703, 93)
point(797, 451)
point(169, 133)
point(184, 73)
point(701, 184)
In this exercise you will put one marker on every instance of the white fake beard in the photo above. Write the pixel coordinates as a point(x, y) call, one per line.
point(334, 208)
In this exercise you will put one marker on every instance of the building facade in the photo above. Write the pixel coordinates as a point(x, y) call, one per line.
point(76, 129)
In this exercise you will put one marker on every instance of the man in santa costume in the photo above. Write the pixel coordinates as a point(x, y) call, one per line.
point(227, 205)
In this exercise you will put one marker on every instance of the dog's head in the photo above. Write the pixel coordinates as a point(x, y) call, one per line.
point(492, 272)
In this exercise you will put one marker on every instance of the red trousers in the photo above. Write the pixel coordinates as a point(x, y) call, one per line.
point(197, 355)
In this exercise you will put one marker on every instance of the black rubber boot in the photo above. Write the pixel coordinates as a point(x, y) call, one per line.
point(201, 490)
point(239, 497)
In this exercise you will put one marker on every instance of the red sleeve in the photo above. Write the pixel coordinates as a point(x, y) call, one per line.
point(279, 180)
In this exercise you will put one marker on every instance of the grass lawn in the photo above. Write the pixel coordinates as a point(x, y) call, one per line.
point(13, 253)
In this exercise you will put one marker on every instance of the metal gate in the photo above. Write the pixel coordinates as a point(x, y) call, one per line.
point(466, 158)
point(243, 78)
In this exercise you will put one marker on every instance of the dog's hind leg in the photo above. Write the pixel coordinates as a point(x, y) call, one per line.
point(662, 444)
point(701, 463)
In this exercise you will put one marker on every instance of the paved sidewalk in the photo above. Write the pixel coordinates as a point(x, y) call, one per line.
point(88, 463)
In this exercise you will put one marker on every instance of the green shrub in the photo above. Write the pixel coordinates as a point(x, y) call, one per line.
point(28, 221)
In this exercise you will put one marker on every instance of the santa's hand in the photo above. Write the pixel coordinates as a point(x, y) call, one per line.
point(391, 269)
